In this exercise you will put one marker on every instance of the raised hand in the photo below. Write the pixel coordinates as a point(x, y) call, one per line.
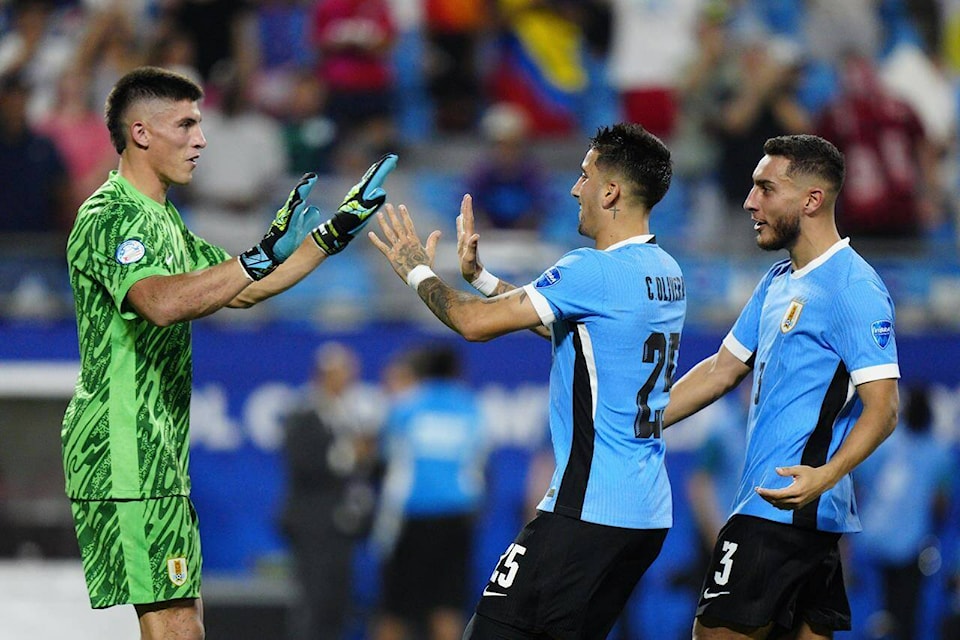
point(361, 202)
point(294, 220)
point(402, 247)
point(468, 241)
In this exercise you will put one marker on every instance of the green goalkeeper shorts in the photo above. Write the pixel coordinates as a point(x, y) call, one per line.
point(138, 551)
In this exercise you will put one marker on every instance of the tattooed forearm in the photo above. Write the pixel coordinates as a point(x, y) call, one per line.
point(440, 298)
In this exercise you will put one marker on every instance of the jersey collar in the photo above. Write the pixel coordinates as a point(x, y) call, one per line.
point(823, 257)
point(644, 239)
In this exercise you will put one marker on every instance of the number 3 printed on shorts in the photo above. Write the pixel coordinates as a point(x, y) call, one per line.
point(507, 568)
point(726, 562)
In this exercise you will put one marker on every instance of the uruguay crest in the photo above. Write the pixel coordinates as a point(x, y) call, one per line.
point(177, 570)
point(882, 330)
point(791, 317)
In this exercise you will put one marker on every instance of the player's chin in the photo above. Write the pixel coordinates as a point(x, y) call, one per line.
point(184, 178)
point(769, 242)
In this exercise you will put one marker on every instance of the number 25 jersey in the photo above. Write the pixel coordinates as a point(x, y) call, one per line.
point(615, 317)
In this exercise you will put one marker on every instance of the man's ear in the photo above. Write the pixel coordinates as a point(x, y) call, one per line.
point(139, 135)
point(611, 194)
point(814, 200)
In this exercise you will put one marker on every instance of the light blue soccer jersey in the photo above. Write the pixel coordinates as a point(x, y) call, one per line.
point(615, 317)
point(811, 335)
point(434, 444)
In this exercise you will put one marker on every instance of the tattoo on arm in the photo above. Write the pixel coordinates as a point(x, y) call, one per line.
point(440, 298)
point(502, 287)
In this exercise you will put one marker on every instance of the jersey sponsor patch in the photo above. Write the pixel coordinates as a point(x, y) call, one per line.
point(550, 277)
point(882, 330)
point(791, 317)
point(177, 570)
point(130, 251)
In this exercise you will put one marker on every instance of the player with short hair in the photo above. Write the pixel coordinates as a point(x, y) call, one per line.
point(614, 314)
point(139, 276)
point(818, 335)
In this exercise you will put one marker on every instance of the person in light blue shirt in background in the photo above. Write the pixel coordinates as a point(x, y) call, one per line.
point(434, 450)
point(906, 492)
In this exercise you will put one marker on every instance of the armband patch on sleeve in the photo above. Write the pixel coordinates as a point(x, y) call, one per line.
point(130, 251)
point(882, 330)
point(550, 277)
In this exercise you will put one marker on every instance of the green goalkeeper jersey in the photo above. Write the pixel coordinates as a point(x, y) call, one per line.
point(126, 431)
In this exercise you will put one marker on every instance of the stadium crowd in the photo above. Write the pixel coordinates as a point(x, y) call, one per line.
point(462, 89)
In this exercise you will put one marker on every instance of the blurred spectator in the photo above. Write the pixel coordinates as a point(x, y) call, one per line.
point(282, 50)
point(538, 63)
point(661, 35)
point(758, 102)
point(76, 128)
point(906, 486)
point(235, 190)
point(34, 186)
point(893, 185)
point(329, 454)
point(309, 135)
point(174, 50)
point(355, 38)
point(108, 48)
point(454, 29)
point(835, 29)
point(507, 185)
point(919, 80)
point(37, 51)
point(432, 443)
point(221, 31)
point(695, 143)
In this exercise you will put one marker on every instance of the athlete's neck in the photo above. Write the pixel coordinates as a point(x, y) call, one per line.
point(611, 234)
point(813, 242)
point(143, 179)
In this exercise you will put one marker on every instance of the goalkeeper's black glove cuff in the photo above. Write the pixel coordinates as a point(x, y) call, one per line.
point(330, 238)
point(257, 262)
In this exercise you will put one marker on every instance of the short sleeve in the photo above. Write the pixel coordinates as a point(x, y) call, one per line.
point(123, 249)
point(568, 290)
point(863, 329)
point(744, 337)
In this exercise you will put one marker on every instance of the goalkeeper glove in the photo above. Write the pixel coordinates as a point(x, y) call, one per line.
point(290, 226)
point(361, 202)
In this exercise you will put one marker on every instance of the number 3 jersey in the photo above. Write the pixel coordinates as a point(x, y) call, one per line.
point(811, 335)
point(615, 317)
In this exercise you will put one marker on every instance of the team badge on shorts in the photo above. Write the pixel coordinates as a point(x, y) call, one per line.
point(882, 330)
point(130, 251)
point(177, 570)
point(791, 317)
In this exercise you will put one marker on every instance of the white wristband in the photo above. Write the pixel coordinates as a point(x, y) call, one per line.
point(486, 283)
point(418, 274)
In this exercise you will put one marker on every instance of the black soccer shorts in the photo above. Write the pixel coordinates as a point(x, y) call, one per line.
point(763, 571)
point(564, 578)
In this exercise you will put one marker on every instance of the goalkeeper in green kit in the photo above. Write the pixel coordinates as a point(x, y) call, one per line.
point(138, 277)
